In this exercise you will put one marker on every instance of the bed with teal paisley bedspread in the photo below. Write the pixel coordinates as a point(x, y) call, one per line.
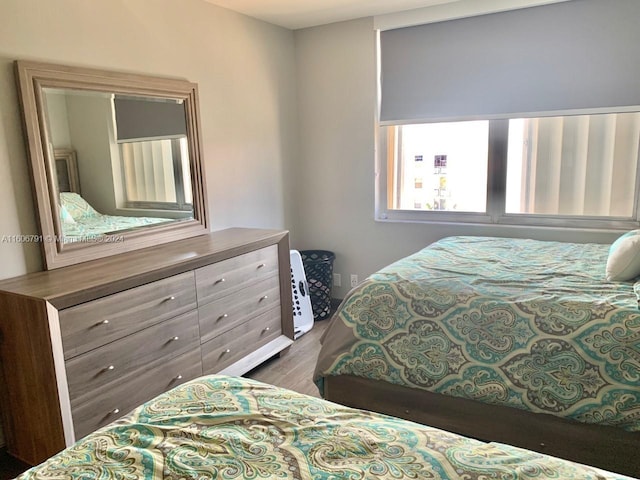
point(81, 222)
point(234, 428)
point(94, 228)
point(519, 323)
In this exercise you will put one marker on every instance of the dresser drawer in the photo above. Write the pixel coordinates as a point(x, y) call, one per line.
point(92, 324)
point(231, 346)
point(230, 311)
point(109, 403)
point(228, 276)
point(111, 362)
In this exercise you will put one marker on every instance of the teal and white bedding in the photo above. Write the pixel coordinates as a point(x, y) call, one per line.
point(520, 323)
point(221, 427)
point(81, 222)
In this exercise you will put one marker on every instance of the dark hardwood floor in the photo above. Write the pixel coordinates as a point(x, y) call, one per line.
point(293, 371)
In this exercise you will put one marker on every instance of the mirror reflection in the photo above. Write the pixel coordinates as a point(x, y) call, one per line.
point(121, 162)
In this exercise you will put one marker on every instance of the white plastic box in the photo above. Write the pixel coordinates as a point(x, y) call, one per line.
point(302, 312)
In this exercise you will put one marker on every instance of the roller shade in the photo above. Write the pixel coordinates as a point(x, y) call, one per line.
point(573, 55)
point(139, 118)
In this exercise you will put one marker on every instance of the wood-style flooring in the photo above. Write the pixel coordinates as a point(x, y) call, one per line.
point(293, 371)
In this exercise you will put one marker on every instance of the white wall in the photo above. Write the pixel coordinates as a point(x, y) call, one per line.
point(246, 77)
point(335, 171)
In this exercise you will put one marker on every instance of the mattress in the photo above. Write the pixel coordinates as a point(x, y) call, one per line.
point(520, 323)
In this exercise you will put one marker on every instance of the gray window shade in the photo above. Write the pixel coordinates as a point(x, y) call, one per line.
point(138, 118)
point(573, 55)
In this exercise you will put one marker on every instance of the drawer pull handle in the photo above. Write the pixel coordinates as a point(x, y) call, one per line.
point(104, 322)
point(115, 411)
point(266, 329)
point(110, 368)
point(175, 339)
point(264, 297)
point(262, 265)
point(220, 280)
point(227, 351)
point(223, 316)
point(179, 377)
point(171, 298)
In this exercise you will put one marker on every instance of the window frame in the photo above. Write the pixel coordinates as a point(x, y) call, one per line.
point(180, 205)
point(496, 185)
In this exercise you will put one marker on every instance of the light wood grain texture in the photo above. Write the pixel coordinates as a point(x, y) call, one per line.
point(108, 364)
point(66, 160)
point(32, 78)
point(31, 403)
point(294, 370)
point(223, 278)
point(91, 280)
point(131, 291)
point(92, 324)
point(232, 310)
point(233, 345)
point(133, 389)
point(257, 357)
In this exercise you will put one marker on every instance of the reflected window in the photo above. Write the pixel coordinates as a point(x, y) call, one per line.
point(156, 174)
point(154, 154)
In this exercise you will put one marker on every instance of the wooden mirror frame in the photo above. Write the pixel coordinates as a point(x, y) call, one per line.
point(32, 78)
point(67, 157)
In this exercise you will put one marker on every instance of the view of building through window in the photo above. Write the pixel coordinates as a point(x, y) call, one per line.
point(571, 166)
point(443, 166)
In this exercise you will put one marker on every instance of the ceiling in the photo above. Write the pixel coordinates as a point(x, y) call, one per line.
point(294, 14)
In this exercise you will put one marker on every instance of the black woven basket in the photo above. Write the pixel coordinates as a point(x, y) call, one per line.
point(318, 269)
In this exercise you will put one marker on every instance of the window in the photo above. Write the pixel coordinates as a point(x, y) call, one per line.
point(435, 170)
point(156, 174)
point(561, 136)
point(153, 152)
point(566, 170)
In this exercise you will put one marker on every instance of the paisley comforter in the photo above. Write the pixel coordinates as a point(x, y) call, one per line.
point(520, 323)
point(233, 428)
point(93, 228)
point(81, 222)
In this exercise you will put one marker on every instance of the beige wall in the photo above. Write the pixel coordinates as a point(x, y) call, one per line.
point(335, 172)
point(246, 77)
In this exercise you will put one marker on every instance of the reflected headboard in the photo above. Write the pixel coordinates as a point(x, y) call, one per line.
point(67, 170)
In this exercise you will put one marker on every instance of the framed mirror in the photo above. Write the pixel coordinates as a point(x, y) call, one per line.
point(115, 160)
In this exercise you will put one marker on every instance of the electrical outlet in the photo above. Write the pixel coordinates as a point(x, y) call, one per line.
point(337, 280)
point(354, 280)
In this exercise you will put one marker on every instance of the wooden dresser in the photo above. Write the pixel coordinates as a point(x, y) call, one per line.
point(82, 345)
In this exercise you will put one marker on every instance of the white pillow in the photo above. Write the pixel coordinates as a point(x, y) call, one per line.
point(623, 263)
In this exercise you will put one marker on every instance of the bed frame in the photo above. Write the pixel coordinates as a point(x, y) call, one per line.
point(605, 447)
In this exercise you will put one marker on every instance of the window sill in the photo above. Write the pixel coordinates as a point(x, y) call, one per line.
point(508, 221)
